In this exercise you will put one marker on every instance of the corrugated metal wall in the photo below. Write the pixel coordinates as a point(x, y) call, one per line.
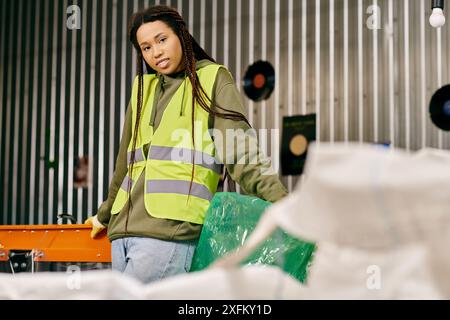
point(63, 92)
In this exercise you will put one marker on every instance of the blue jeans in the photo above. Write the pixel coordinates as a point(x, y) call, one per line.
point(149, 259)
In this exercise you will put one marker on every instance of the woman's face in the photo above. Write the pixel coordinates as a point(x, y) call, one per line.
point(160, 47)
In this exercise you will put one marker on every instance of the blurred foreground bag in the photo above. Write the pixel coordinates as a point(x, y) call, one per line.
point(229, 221)
point(380, 219)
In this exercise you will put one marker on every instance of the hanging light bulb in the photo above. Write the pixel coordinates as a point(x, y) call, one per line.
point(437, 18)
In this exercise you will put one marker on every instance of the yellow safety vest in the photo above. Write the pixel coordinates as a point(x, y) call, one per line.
point(168, 164)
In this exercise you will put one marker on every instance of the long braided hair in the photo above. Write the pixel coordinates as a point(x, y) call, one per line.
point(192, 52)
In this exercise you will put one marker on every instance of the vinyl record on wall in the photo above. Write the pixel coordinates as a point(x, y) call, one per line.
point(298, 133)
point(440, 108)
point(259, 81)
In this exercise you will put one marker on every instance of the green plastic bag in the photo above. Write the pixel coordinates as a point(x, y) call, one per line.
point(230, 220)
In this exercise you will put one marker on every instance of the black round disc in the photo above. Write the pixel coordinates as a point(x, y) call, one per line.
point(259, 80)
point(440, 108)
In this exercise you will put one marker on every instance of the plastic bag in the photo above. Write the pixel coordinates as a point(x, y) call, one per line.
point(229, 221)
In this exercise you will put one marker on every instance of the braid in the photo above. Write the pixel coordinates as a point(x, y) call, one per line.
point(135, 133)
point(189, 61)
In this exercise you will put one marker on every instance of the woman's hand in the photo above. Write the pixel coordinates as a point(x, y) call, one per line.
point(97, 227)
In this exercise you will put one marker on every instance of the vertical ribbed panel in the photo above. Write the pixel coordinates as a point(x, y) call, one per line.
point(63, 93)
point(3, 94)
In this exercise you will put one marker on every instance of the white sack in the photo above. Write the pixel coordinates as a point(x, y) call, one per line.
point(86, 285)
point(372, 212)
point(249, 283)
point(368, 196)
point(347, 273)
point(254, 282)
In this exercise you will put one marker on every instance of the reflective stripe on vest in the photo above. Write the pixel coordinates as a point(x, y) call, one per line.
point(138, 156)
point(185, 155)
point(124, 185)
point(179, 187)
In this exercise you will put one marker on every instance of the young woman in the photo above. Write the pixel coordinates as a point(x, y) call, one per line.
point(168, 166)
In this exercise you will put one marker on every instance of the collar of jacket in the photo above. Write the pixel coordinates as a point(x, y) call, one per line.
point(165, 80)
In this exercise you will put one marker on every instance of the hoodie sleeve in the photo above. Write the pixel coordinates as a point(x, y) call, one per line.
point(104, 211)
point(238, 148)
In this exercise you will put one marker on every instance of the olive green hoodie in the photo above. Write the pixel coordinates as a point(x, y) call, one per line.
point(248, 176)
